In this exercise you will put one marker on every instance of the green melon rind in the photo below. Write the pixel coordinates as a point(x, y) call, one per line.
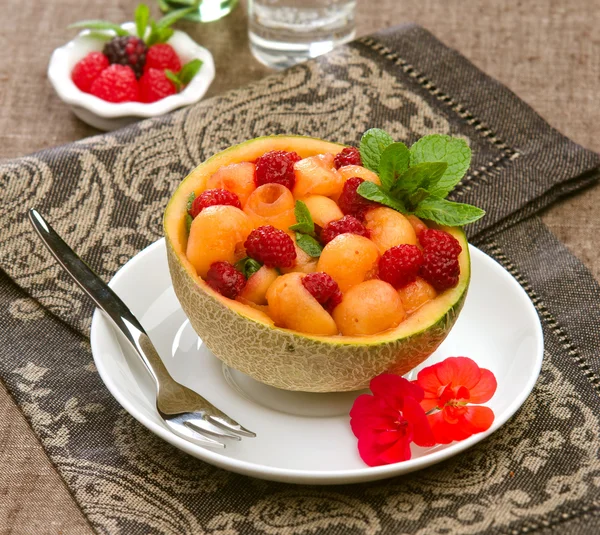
point(291, 361)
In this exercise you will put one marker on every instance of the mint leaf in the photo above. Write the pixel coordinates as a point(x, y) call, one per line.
point(189, 70)
point(154, 34)
point(174, 78)
point(188, 222)
point(248, 266)
point(304, 220)
point(372, 145)
point(190, 201)
point(415, 198)
point(394, 161)
point(422, 175)
point(173, 16)
point(375, 193)
point(441, 148)
point(309, 245)
point(99, 25)
point(142, 16)
point(451, 214)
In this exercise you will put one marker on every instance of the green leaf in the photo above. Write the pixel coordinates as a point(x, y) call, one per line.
point(309, 245)
point(188, 222)
point(190, 201)
point(248, 266)
point(452, 214)
point(154, 34)
point(189, 70)
point(440, 148)
point(164, 34)
point(173, 16)
point(376, 193)
point(304, 220)
point(163, 6)
point(372, 145)
point(174, 78)
point(416, 197)
point(394, 161)
point(422, 175)
point(99, 25)
point(142, 16)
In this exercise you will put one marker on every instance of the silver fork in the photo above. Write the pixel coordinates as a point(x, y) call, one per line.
point(186, 413)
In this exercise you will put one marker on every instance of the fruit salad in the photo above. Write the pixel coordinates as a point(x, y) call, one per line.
point(334, 244)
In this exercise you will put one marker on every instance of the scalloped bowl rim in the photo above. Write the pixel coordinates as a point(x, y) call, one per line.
point(64, 58)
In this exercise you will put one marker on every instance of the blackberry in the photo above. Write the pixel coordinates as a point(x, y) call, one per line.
point(127, 50)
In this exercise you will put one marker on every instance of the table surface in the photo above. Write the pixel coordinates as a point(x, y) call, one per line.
point(546, 51)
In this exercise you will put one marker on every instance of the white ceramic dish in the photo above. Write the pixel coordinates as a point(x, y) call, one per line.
point(302, 437)
point(108, 115)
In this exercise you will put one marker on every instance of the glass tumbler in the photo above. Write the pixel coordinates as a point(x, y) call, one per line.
point(208, 10)
point(285, 32)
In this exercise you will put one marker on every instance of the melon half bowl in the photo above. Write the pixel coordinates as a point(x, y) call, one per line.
point(247, 340)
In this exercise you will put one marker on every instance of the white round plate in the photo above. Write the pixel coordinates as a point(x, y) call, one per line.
point(303, 437)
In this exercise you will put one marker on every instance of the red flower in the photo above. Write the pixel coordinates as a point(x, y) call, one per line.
point(389, 420)
point(451, 386)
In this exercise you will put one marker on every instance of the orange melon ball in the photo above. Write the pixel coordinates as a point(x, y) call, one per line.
point(237, 177)
point(271, 204)
point(217, 234)
point(416, 294)
point(348, 171)
point(322, 209)
point(258, 284)
point(291, 306)
point(370, 307)
point(349, 259)
point(317, 175)
point(417, 224)
point(304, 262)
point(389, 228)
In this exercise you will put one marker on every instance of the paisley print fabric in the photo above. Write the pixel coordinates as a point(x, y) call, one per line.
point(106, 196)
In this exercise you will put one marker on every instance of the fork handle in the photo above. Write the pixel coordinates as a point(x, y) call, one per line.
point(102, 295)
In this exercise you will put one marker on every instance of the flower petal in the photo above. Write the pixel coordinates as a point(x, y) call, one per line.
point(368, 449)
point(394, 389)
point(442, 430)
point(414, 413)
point(460, 371)
point(479, 419)
point(485, 388)
point(428, 404)
point(428, 380)
point(399, 452)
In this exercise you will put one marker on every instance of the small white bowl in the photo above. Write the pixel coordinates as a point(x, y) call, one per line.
point(108, 115)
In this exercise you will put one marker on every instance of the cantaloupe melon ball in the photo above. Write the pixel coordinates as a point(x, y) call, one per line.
point(258, 284)
point(271, 204)
point(416, 294)
point(292, 306)
point(217, 234)
point(322, 209)
point(370, 307)
point(304, 262)
point(317, 175)
point(389, 228)
point(417, 224)
point(348, 171)
point(349, 259)
point(237, 177)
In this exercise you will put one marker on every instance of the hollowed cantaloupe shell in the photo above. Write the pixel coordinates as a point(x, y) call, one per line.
point(247, 340)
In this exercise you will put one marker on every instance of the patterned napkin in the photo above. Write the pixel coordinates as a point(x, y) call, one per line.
point(106, 196)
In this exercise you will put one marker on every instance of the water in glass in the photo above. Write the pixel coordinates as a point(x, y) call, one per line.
point(286, 32)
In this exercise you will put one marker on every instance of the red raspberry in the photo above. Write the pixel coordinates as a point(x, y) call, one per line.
point(271, 246)
point(347, 224)
point(400, 265)
point(88, 69)
point(213, 197)
point(351, 202)
point(225, 279)
point(324, 289)
point(440, 243)
point(162, 56)
point(440, 271)
point(154, 85)
point(348, 156)
point(116, 83)
point(276, 166)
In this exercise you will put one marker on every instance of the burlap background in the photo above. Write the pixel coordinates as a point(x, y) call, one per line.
point(546, 51)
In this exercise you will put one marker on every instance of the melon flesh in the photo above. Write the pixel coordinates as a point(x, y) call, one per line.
point(246, 339)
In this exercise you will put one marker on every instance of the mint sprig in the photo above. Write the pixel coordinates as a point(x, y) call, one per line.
point(185, 75)
point(304, 228)
point(160, 31)
point(188, 217)
point(417, 180)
